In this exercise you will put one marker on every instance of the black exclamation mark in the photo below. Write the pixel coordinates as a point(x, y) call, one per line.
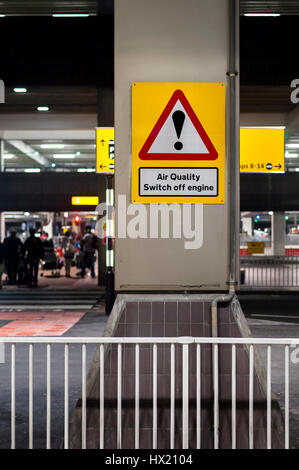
point(178, 118)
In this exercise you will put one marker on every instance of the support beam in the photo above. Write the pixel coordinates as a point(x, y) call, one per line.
point(29, 152)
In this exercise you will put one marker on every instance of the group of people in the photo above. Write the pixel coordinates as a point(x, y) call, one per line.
point(88, 247)
point(21, 260)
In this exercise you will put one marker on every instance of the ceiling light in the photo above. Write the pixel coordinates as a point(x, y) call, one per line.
point(70, 15)
point(293, 146)
point(64, 155)
point(291, 155)
point(32, 170)
point(43, 108)
point(2, 16)
point(8, 156)
point(262, 14)
point(27, 213)
point(78, 153)
point(52, 146)
point(20, 90)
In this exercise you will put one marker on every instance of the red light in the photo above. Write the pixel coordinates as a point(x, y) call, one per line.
point(77, 219)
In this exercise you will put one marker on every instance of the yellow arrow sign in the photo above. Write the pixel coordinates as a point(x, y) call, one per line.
point(105, 149)
point(262, 149)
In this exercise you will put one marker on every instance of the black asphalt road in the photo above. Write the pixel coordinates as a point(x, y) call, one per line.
point(272, 306)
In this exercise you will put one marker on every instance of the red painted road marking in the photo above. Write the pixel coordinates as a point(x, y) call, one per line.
point(38, 324)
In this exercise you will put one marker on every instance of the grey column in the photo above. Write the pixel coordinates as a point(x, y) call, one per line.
point(278, 233)
point(175, 41)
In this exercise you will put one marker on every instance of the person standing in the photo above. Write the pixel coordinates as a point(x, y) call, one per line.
point(89, 245)
point(12, 253)
point(33, 252)
point(69, 249)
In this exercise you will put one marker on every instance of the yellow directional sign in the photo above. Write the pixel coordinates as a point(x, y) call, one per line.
point(85, 200)
point(178, 142)
point(262, 149)
point(256, 248)
point(105, 149)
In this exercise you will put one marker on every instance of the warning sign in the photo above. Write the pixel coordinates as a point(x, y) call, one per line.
point(256, 248)
point(178, 181)
point(178, 134)
point(178, 142)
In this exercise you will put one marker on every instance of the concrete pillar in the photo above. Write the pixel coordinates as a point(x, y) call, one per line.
point(169, 41)
point(247, 225)
point(49, 229)
point(278, 233)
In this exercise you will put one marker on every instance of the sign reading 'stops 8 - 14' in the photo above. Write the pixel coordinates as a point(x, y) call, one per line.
point(178, 142)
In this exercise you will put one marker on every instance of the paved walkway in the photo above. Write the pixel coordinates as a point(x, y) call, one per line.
point(48, 281)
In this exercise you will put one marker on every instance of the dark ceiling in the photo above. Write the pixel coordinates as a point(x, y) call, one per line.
point(41, 51)
point(48, 7)
point(63, 61)
point(46, 51)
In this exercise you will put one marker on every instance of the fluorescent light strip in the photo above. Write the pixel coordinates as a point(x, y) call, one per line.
point(52, 146)
point(32, 170)
point(292, 146)
point(291, 155)
point(64, 155)
point(262, 14)
point(43, 108)
point(70, 15)
point(20, 90)
point(262, 127)
point(8, 156)
point(86, 170)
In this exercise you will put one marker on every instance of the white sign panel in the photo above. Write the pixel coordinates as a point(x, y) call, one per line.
point(178, 182)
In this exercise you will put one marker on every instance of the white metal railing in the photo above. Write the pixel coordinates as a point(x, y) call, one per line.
point(270, 271)
point(175, 344)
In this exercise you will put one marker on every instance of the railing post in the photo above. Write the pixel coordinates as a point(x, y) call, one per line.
point(172, 396)
point(216, 396)
point(155, 391)
point(269, 397)
point(287, 397)
point(233, 396)
point(66, 396)
point(30, 396)
point(185, 388)
point(48, 396)
point(13, 396)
